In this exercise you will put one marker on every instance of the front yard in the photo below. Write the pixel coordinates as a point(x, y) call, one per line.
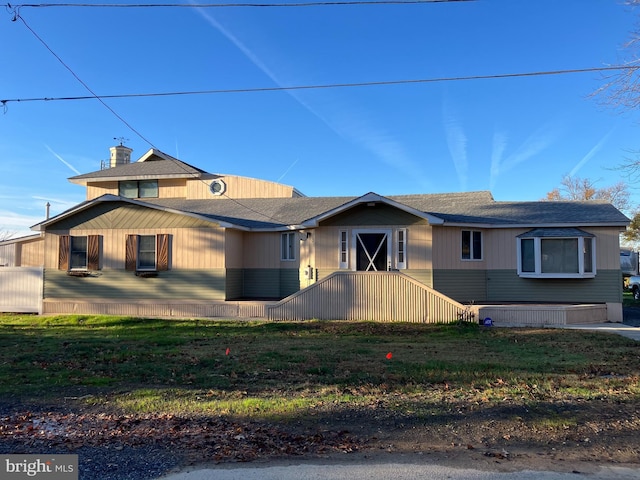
point(229, 390)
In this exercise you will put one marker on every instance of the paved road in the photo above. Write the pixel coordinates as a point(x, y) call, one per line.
point(390, 471)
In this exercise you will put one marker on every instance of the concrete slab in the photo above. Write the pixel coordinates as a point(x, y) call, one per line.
point(614, 328)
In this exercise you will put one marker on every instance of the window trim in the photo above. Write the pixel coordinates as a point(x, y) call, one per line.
point(472, 257)
point(138, 182)
point(401, 240)
point(145, 268)
point(343, 249)
point(162, 252)
point(288, 246)
point(85, 265)
point(537, 255)
point(93, 253)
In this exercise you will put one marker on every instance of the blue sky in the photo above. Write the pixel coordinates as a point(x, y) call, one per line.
point(514, 136)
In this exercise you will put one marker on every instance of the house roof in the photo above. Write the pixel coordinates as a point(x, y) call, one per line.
point(152, 165)
point(468, 208)
point(477, 209)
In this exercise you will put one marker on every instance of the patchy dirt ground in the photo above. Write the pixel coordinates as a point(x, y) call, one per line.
point(110, 445)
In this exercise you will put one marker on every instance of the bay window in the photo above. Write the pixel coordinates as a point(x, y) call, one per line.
point(556, 253)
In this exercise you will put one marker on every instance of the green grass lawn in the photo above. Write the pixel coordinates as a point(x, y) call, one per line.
point(278, 370)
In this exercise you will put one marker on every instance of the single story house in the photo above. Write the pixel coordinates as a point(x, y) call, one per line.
point(161, 237)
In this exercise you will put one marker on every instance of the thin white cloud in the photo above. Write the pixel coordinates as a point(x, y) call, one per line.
point(353, 128)
point(590, 155)
point(457, 143)
point(537, 142)
point(73, 169)
point(499, 146)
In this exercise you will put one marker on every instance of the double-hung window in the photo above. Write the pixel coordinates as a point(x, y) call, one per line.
point(288, 246)
point(556, 253)
point(138, 188)
point(148, 253)
point(471, 245)
point(78, 255)
point(79, 252)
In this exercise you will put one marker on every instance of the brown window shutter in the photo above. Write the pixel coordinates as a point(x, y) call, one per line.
point(93, 252)
point(131, 253)
point(162, 252)
point(63, 252)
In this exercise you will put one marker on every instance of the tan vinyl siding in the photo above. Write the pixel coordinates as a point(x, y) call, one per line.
point(447, 250)
point(29, 253)
point(97, 189)
point(172, 188)
point(418, 244)
point(500, 248)
point(167, 188)
point(234, 247)
point(262, 250)
point(193, 248)
point(120, 284)
point(239, 187)
point(369, 296)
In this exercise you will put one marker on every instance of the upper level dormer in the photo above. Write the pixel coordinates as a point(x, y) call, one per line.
point(158, 175)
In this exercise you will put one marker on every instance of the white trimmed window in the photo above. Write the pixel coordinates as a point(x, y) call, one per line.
point(471, 245)
point(401, 248)
point(344, 249)
point(78, 254)
point(556, 253)
point(146, 252)
point(288, 246)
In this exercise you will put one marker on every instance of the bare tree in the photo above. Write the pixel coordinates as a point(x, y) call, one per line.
point(621, 89)
point(576, 188)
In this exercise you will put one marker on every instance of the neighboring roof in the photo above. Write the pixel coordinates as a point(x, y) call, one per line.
point(153, 164)
point(476, 209)
point(23, 239)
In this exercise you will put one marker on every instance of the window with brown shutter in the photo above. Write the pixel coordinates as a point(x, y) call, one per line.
point(93, 252)
point(162, 260)
point(148, 252)
point(63, 252)
point(131, 253)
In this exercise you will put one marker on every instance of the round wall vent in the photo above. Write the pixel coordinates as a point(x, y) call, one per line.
point(217, 187)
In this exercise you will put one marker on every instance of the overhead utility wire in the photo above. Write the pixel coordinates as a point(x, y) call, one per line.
point(231, 5)
point(94, 95)
point(122, 119)
point(331, 85)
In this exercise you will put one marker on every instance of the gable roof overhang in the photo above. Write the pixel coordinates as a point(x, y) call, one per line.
point(108, 198)
point(370, 197)
point(153, 165)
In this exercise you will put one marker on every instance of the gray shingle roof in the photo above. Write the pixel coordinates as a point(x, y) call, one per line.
point(454, 208)
point(153, 169)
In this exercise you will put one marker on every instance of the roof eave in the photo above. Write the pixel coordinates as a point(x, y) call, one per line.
point(39, 227)
point(536, 225)
point(368, 198)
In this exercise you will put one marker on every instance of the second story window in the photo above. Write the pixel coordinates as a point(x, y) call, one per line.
point(138, 188)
